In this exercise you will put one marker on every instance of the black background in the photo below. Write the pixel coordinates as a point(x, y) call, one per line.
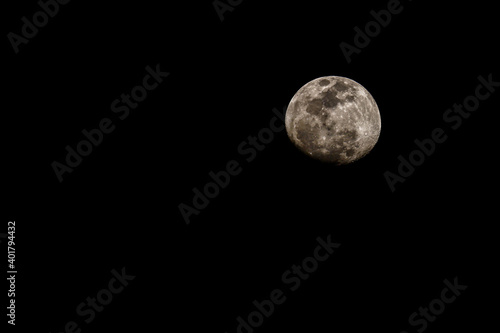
point(119, 208)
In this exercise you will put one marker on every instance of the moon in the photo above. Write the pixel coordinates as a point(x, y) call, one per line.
point(333, 119)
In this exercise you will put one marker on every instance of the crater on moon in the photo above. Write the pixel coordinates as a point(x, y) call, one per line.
point(333, 119)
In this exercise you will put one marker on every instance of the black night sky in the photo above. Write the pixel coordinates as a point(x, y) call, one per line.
point(339, 249)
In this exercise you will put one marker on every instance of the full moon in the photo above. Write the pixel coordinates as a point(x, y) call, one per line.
point(333, 119)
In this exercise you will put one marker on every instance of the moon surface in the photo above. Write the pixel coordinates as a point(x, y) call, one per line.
point(333, 119)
